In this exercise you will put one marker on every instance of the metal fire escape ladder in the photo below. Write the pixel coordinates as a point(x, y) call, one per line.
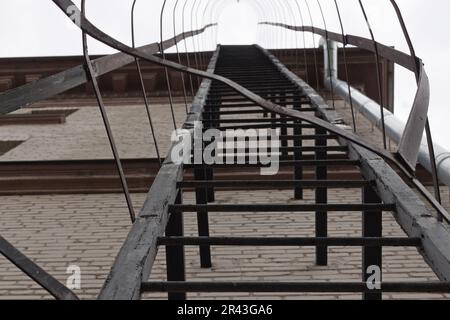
point(230, 98)
point(219, 107)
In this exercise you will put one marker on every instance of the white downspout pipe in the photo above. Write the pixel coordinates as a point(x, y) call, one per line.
point(371, 110)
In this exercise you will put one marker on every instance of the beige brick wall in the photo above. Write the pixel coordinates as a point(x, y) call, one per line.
point(88, 230)
point(83, 136)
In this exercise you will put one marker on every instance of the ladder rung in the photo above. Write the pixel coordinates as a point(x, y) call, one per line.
point(222, 100)
point(303, 163)
point(252, 104)
point(276, 84)
point(290, 242)
point(282, 85)
point(253, 111)
point(229, 92)
point(290, 149)
point(255, 120)
point(306, 137)
point(281, 208)
point(290, 157)
point(276, 184)
point(296, 287)
point(267, 126)
point(302, 137)
point(232, 112)
point(242, 105)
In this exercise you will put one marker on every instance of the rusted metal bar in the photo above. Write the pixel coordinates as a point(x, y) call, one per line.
point(306, 163)
point(384, 51)
point(276, 184)
point(298, 138)
point(144, 91)
point(418, 71)
point(281, 207)
point(296, 287)
point(372, 257)
point(104, 114)
point(31, 269)
point(291, 242)
point(135, 260)
point(321, 196)
point(175, 255)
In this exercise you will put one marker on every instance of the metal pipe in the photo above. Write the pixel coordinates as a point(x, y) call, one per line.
point(371, 111)
point(429, 136)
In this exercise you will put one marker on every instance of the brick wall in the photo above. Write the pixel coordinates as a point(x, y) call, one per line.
point(88, 230)
point(83, 136)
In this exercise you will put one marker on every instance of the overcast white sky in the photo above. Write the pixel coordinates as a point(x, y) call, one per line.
point(38, 28)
